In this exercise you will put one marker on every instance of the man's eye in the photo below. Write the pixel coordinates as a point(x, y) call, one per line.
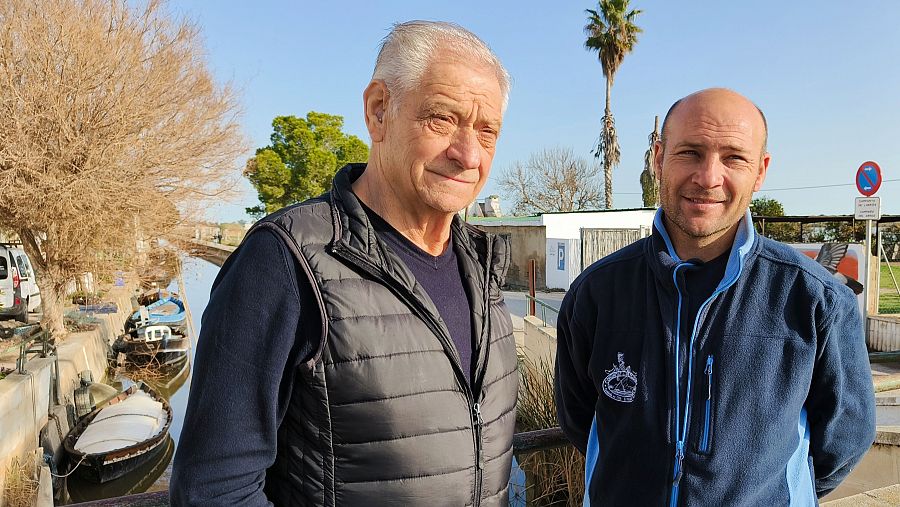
point(488, 133)
point(687, 153)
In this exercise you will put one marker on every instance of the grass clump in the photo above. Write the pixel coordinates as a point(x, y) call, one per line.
point(22, 482)
point(554, 476)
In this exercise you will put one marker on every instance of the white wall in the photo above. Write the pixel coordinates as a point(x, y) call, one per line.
point(559, 275)
point(569, 225)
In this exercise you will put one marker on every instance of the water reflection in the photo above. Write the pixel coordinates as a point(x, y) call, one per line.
point(173, 384)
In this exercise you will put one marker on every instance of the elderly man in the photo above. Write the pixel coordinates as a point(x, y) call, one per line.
point(706, 365)
point(356, 349)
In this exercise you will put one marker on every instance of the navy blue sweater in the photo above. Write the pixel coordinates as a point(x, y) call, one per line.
point(261, 322)
point(764, 398)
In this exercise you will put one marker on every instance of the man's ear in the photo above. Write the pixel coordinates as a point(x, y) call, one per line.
point(375, 99)
point(657, 159)
point(763, 170)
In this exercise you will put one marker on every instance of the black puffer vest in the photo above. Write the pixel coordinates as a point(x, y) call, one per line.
point(383, 414)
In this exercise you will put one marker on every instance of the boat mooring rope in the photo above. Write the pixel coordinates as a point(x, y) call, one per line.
point(72, 470)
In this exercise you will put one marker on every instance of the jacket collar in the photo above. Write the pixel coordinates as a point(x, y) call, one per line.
point(665, 259)
point(354, 232)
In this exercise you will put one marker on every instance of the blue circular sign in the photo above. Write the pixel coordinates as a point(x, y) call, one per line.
point(868, 178)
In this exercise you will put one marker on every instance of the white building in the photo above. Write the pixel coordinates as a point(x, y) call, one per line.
point(563, 244)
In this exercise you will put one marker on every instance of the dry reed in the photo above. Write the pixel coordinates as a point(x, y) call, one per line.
point(22, 482)
point(555, 476)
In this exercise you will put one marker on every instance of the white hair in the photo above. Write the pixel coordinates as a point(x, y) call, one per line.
point(410, 47)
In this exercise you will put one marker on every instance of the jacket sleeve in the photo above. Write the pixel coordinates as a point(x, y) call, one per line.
point(575, 393)
point(841, 401)
point(249, 344)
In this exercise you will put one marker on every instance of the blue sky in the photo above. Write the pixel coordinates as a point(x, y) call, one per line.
point(826, 73)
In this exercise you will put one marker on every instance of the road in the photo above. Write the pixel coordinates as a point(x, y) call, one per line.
point(518, 306)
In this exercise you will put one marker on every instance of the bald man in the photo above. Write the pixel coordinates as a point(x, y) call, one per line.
point(706, 365)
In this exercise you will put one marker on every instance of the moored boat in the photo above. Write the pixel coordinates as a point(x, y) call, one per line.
point(120, 435)
point(153, 344)
point(167, 311)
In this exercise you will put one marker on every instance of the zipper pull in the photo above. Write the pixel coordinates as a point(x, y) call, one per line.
point(708, 371)
point(679, 457)
point(479, 423)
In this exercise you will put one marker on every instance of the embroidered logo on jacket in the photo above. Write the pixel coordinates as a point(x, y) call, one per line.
point(620, 383)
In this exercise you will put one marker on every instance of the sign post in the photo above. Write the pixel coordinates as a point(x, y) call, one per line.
point(868, 208)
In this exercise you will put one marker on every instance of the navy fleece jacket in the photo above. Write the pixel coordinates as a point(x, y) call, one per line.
point(765, 399)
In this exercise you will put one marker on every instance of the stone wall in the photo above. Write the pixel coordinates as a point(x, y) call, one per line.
point(25, 399)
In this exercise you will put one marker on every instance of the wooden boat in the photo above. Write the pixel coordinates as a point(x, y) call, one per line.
point(153, 344)
point(119, 436)
point(137, 481)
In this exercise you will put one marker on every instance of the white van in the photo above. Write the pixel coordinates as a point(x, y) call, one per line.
point(30, 290)
point(18, 290)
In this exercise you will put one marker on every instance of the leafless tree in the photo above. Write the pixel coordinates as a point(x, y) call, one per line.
point(112, 130)
point(553, 179)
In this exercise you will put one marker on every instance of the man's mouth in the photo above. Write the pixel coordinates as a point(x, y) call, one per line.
point(704, 200)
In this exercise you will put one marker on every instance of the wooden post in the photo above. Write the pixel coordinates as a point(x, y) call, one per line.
point(531, 285)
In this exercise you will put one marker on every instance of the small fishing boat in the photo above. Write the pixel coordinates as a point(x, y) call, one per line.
point(119, 436)
point(153, 344)
point(167, 311)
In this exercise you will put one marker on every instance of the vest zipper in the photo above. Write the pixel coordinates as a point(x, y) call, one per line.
point(443, 335)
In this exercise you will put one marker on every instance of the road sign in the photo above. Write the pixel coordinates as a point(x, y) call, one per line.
point(868, 178)
point(868, 208)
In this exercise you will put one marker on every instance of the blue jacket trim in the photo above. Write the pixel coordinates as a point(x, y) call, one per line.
point(590, 461)
point(799, 476)
point(661, 227)
point(743, 242)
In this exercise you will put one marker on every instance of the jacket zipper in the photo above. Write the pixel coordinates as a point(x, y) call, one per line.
point(446, 341)
point(681, 430)
point(704, 442)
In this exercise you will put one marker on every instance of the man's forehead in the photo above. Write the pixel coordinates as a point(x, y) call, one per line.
point(729, 117)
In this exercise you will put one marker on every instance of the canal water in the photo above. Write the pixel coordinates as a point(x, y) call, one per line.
point(198, 276)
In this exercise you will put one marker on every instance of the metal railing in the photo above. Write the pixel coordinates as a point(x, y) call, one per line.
point(525, 442)
point(535, 305)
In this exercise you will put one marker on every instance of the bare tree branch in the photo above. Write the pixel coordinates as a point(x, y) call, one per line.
point(553, 179)
point(111, 129)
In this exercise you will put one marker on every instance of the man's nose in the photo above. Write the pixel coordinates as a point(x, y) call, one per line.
point(465, 149)
point(710, 173)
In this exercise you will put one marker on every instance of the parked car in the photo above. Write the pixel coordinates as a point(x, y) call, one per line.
point(30, 290)
point(18, 291)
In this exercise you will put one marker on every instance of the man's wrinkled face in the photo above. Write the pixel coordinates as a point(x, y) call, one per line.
point(711, 162)
point(439, 143)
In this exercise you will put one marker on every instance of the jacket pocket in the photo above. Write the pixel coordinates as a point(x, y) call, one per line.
point(706, 430)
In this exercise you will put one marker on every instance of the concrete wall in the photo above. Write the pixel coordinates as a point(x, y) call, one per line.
point(25, 399)
point(880, 466)
point(526, 243)
point(540, 342)
point(563, 262)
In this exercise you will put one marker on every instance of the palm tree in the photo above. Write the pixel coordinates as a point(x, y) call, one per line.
point(649, 183)
point(612, 33)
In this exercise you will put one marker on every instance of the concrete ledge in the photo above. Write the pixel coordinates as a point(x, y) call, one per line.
point(888, 497)
point(887, 435)
point(540, 341)
point(25, 399)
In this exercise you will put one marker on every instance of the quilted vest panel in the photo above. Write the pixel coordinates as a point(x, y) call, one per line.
point(382, 415)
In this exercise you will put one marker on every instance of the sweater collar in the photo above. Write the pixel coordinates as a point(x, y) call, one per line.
point(353, 230)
